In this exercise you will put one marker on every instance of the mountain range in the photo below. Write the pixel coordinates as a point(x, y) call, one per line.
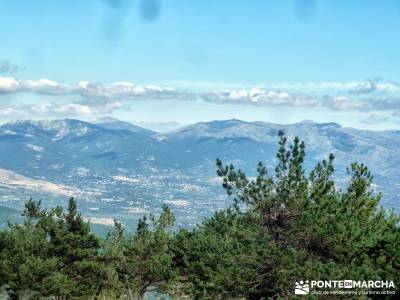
point(116, 167)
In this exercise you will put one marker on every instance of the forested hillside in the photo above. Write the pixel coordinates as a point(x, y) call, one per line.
point(281, 228)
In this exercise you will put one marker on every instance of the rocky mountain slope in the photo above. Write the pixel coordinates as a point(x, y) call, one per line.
point(117, 164)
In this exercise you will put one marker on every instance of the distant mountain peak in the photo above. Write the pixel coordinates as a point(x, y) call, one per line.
point(106, 120)
point(111, 123)
point(55, 130)
point(307, 122)
point(48, 125)
point(227, 122)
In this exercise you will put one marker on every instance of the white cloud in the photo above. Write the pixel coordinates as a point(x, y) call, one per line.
point(41, 86)
point(46, 86)
point(118, 90)
point(366, 104)
point(8, 85)
point(11, 111)
point(343, 103)
point(104, 98)
point(259, 97)
point(74, 109)
point(125, 90)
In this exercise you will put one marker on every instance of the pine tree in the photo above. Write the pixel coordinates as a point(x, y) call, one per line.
point(294, 226)
point(144, 260)
point(52, 254)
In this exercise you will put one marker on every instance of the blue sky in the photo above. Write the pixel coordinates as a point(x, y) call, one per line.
point(187, 61)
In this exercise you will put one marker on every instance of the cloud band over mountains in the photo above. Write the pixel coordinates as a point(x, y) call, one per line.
point(101, 98)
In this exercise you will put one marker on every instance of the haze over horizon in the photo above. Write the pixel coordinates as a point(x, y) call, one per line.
point(166, 127)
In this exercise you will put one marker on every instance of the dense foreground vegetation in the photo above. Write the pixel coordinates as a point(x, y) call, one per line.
point(281, 229)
